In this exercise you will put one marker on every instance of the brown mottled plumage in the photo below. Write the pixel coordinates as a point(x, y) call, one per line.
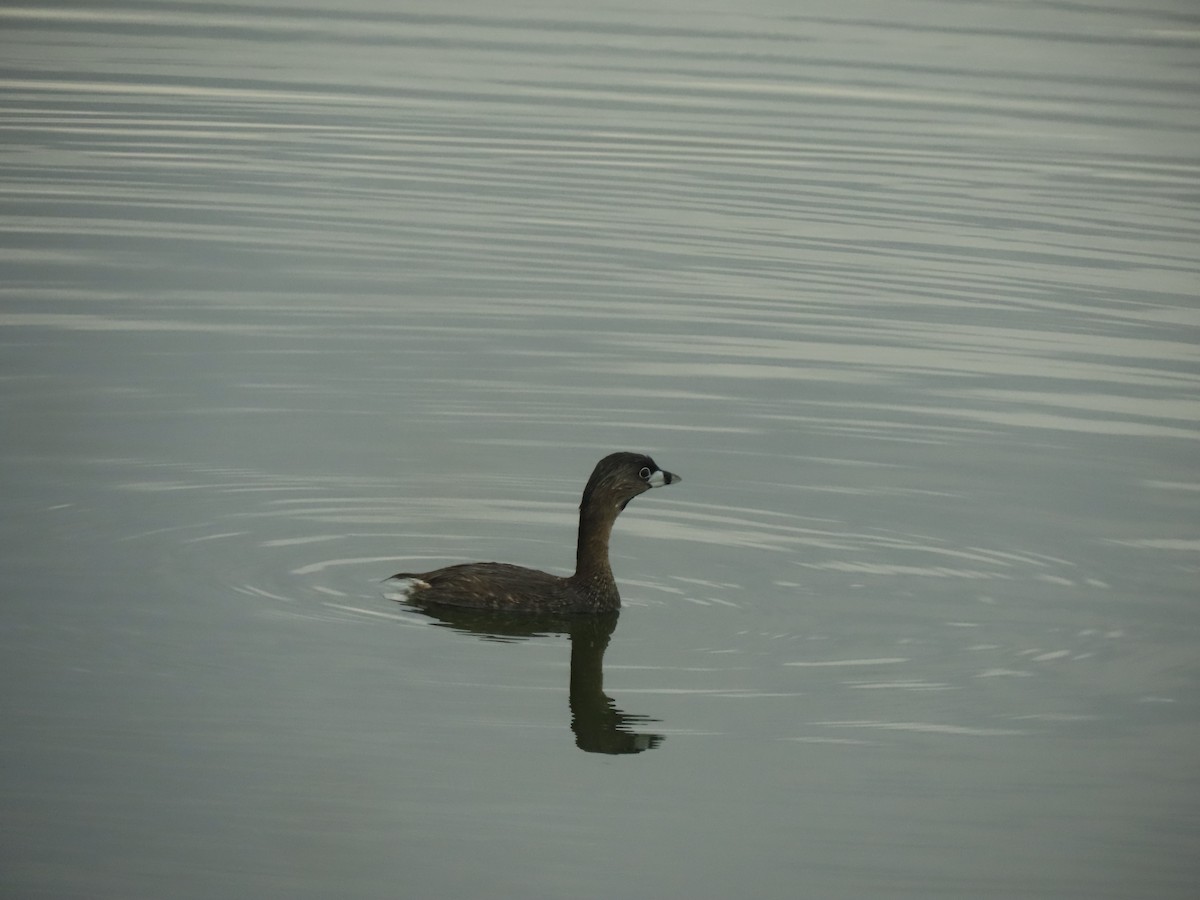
point(616, 480)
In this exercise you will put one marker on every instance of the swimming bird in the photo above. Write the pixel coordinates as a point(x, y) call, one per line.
point(616, 480)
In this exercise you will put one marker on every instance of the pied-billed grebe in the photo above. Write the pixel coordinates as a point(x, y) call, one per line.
point(616, 480)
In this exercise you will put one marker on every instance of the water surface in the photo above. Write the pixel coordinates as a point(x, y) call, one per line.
point(296, 297)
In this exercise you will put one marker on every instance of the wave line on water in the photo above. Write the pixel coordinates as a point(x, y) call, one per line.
point(406, 620)
point(924, 728)
point(881, 661)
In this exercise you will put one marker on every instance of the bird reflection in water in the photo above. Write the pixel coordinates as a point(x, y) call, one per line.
point(599, 726)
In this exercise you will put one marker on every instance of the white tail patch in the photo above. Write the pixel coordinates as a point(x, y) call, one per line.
point(404, 587)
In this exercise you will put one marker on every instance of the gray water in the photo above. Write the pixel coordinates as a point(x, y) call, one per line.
point(297, 296)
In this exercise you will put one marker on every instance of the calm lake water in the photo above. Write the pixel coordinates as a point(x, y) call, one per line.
point(299, 295)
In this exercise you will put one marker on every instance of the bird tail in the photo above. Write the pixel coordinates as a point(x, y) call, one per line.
point(403, 585)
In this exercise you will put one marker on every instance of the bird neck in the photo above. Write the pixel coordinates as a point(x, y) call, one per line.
point(591, 552)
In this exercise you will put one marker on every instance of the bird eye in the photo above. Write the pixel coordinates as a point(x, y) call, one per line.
point(645, 473)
